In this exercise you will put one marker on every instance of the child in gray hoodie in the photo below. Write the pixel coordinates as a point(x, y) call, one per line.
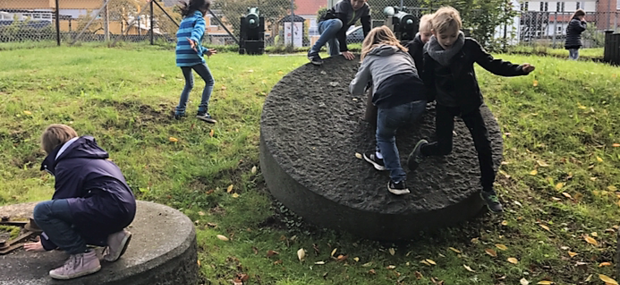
point(398, 94)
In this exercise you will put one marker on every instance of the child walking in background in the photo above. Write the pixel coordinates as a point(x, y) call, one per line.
point(449, 60)
point(92, 204)
point(575, 27)
point(189, 54)
point(333, 27)
point(398, 94)
point(416, 46)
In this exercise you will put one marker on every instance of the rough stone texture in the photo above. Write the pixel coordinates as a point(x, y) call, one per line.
point(311, 128)
point(162, 251)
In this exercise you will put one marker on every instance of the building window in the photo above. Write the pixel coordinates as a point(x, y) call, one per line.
point(524, 6)
point(578, 5)
point(544, 6)
point(560, 7)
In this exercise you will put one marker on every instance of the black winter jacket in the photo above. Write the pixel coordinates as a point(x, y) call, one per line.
point(573, 33)
point(459, 79)
point(416, 50)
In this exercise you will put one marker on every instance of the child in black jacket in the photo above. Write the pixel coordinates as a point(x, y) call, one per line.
point(575, 27)
point(449, 64)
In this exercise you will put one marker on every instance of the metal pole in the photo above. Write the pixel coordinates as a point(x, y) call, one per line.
point(555, 28)
point(292, 23)
point(152, 22)
point(608, 14)
point(106, 22)
point(57, 23)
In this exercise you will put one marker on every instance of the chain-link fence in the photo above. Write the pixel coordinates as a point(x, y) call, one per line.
point(285, 21)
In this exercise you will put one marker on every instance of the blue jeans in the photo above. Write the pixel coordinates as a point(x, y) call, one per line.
point(328, 29)
point(204, 72)
point(573, 53)
point(388, 121)
point(54, 218)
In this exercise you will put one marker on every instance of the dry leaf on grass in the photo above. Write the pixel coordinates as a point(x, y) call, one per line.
point(301, 254)
point(591, 241)
point(513, 260)
point(501, 246)
point(468, 268)
point(221, 237)
point(608, 280)
point(491, 252)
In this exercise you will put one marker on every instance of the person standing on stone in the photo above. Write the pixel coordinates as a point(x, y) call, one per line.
point(449, 60)
point(575, 27)
point(333, 27)
point(92, 204)
point(190, 55)
point(416, 46)
point(398, 94)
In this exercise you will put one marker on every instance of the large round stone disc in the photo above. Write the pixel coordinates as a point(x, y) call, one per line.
point(311, 129)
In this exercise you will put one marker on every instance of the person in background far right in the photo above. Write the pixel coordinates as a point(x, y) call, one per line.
point(575, 27)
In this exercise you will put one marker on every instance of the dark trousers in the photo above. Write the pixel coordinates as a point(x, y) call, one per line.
point(444, 126)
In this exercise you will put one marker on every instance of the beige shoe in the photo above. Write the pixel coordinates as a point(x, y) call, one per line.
point(77, 265)
point(117, 244)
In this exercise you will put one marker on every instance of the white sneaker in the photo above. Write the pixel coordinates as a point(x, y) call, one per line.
point(117, 244)
point(77, 265)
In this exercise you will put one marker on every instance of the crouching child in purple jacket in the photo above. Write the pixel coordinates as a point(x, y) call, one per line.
point(92, 204)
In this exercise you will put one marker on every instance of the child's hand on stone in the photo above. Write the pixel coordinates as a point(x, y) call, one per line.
point(34, 246)
point(527, 68)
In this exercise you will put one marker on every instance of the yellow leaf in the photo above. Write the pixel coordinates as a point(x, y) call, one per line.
point(616, 145)
point(235, 195)
point(501, 246)
point(221, 237)
point(594, 234)
point(571, 254)
point(591, 241)
point(27, 113)
point(567, 195)
point(612, 188)
point(425, 262)
point(534, 172)
point(211, 133)
point(468, 268)
point(301, 254)
point(513, 260)
point(535, 83)
point(229, 189)
point(319, 262)
point(559, 186)
point(607, 279)
point(198, 262)
point(604, 264)
point(454, 249)
point(392, 251)
point(334, 251)
point(599, 159)
point(542, 163)
point(545, 227)
point(431, 261)
point(524, 281)
point(358, 155)
point(545, 282)
point(223, 87)
point(491, 252)
point(504, 223)
point(173, 139)
point(357, 259)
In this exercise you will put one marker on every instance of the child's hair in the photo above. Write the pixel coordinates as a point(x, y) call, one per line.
point(425, 23)
point(193, 6)
point(55, 135)
point(445, 19)
point(378, 36)
point(578, 13)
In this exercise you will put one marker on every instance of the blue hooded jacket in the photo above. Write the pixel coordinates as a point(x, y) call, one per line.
point(100, 200)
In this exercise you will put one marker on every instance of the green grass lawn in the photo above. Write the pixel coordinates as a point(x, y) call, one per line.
point(558, 182)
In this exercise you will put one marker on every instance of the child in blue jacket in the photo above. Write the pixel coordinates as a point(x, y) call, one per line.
point(92, 204)
point(189, 54)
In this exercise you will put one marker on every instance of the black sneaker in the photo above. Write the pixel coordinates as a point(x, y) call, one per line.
point(398, 188)
point(490, 198)
point(416, 157)
point(315, 59)
point(376, 162)
point(206, 117)
point(178, 116)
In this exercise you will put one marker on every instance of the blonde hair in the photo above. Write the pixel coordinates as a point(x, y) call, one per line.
point(55, 135)
point(426, 23)
point(380, 36)
point(445, 19)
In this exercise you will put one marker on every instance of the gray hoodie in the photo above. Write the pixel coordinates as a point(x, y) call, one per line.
point(379, 64)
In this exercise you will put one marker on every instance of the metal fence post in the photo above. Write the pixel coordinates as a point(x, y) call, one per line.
point(57, 12)
point(152, 22)
point(106, 22)
point(292, 23)
point(555, 26)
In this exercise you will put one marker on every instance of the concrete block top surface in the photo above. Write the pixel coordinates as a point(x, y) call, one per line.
point(160, 234)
